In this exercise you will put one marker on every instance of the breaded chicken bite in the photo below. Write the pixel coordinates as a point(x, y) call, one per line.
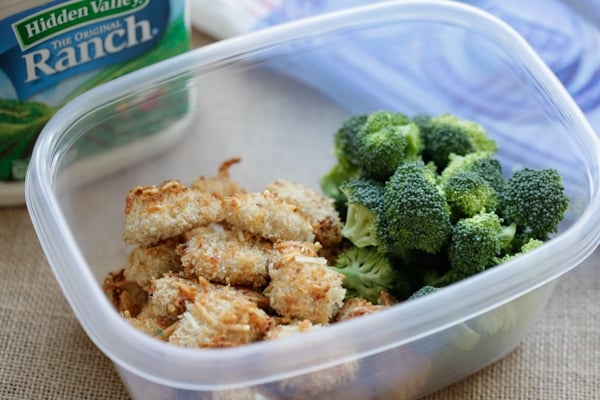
point(221, 184)
point(356, 307)
point(319, 209)
point(148, 323)
point(227, 256)
point(125, 295)
point(266, 215)
point(154, 213)
point(242, 394)
point(302, 287)
point(293, 328)
point(146, 263)
point(220, 317)
point(169, 298)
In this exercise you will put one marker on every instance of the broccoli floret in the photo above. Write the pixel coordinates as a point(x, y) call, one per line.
point(482, 163)
point(367, 272)
point(468, 194)
point(424, 291)
point(344, 140)
point(527, 245)
point(446, 134)
point(330, 182)
point(384, 142)
point(530, 245)
point(364, 203)
point(535, 200)
point(472, 183)
point(344, 149)
point(378, 120)
point(416, 213)
point(382, 152)
point(476, 243)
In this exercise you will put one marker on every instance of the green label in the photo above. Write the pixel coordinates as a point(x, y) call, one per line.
point(41, 26)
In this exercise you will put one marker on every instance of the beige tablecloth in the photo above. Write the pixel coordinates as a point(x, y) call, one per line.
point(45, 354)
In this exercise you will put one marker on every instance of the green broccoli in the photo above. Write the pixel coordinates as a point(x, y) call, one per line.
point(364, 203)
point(367, 272)
point(379, 120)
point(446, 134)
point(535, 200)
point(468, 193)
point(483, 163)
point(416, 213)
point(344, 149)
point(429, 196)
point(384, 142)
point(423, 291)
point(476, 242)
point(330, 182)
point(526, 244)
point(344, 140)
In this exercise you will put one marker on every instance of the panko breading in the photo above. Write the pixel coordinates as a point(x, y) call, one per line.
point(227, 256)
point(302, 287)
point(150, 326)
point(222, 184)
point(220, 317)
point(241, 394)
point(125, 295)
point(386, 299)
point(356, 307)
point(266, 215)
point(146, 263)
point(319, 209)
point(154, 213)
point(169, 298)
point(294, 328)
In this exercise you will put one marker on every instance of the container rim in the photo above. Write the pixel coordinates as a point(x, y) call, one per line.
point(166, 364)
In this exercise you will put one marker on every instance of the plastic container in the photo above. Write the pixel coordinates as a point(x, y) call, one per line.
point(262, 97)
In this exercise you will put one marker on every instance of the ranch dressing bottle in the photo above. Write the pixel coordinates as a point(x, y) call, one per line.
point(52, 51)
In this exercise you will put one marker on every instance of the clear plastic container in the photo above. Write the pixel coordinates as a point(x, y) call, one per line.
point(272, 98)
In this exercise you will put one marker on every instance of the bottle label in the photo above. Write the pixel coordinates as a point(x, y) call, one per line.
point(52, 53)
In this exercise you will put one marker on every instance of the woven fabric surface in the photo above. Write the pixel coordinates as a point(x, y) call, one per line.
point(45, 354)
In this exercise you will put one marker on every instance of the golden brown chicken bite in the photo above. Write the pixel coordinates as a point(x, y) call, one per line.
point(154, 213)
point(227, 256)
point(150, 324)
point(266, 215)
point(242, 394)
point(222, 184)
point(146, 263)
point(302, 287)
point(319, 209)
point(125, 295)
point(293, 328)
point(220, 317)
point(356, 307)
point(169, 298)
